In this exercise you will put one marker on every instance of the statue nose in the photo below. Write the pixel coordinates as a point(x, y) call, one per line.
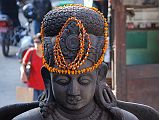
point(74, 88)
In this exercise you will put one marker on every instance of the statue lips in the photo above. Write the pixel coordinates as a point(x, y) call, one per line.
point(73, 100)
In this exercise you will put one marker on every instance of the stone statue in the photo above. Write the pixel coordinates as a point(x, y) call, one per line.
point(74, 72)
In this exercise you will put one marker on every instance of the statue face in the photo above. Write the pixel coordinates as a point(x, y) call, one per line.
point(74, 91)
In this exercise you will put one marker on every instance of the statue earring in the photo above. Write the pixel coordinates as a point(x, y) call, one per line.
point(105, 96)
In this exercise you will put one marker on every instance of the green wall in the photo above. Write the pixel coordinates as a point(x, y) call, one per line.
point(142, 47)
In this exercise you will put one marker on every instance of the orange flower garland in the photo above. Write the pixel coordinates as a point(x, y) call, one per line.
point(72, 68)
point(59, 58)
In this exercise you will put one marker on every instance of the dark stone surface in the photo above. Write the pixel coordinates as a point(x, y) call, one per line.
point(83, 96)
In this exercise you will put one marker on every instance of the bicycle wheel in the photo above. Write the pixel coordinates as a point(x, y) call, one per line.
point(5, 45)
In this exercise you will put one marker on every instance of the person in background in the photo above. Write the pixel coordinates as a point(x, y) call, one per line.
point(35, 80)
point(41, 7)
point(10, 8)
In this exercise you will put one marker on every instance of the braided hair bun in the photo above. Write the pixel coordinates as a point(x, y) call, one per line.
point(76, 29)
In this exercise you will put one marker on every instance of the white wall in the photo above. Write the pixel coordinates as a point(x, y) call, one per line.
point(145, 15)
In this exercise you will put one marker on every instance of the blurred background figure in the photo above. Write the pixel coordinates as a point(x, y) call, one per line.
point(10, 8)
point(41, 7)
point(15, 30)
point(35, 80)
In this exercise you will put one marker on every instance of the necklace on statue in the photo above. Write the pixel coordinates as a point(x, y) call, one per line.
point(96, 114)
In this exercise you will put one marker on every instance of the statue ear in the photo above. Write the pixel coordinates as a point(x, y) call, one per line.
point(47, 81)
point(46, 76)
point(102, 71)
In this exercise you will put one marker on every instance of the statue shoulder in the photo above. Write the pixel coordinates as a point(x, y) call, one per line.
point(118, 114)
point(128, 116)
point(33, 114)
point(107, 100)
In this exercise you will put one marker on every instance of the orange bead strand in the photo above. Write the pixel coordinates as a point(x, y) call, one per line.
point(72, 68)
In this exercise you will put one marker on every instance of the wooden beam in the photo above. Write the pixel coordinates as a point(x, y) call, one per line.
point(119, 48)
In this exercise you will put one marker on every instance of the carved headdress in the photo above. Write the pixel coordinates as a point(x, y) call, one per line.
point(69, 36)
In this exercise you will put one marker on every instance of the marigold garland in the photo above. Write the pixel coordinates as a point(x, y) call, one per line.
point(72, 68)
point(59, 58)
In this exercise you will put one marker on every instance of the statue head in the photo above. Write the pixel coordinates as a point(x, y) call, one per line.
point(74, 44)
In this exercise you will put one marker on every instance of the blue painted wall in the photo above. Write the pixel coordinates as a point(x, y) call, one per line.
point(145, 50)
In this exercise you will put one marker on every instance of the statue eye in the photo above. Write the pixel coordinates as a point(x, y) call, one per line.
point(84, 80)
point(62, 80)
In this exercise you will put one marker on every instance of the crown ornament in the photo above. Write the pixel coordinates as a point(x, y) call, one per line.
point(72, 46)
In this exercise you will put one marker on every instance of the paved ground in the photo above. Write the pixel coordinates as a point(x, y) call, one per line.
point(9, 77)
point(10, 74)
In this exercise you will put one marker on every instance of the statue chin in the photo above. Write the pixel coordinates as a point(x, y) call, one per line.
point(74, 105)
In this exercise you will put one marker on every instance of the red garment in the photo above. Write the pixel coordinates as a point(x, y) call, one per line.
point(35, 80)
